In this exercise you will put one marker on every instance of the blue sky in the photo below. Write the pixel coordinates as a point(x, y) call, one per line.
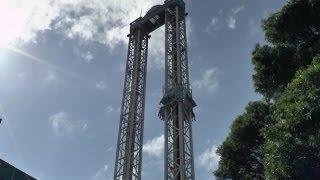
point(62, 70)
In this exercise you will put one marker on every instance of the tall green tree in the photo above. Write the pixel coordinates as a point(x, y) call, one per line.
point(293, 36)
point(293, 139)
point(282, 142)
point(241, 153)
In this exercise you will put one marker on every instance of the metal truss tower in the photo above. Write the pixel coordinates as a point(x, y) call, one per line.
point(177, 102)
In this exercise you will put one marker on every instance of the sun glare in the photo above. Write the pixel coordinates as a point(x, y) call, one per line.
point(13, 21)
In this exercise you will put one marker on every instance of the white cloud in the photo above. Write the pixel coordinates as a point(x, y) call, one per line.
point(232, 18)
point(27, 18)
point(84, 126)
point(105, 167)
point(109, 109)
point(101, 85)
point(86, 55)
point(213, 26)
point(237, 10)
point(101, 173)
point(208, 81)
point(154, 147)
point(217, 22)
point(61, 124)
point(214, 21)
point(231, 21)
point(64, 126)
point(99, 21)
point(209, 159)
point(49, 78)
point(102, 21)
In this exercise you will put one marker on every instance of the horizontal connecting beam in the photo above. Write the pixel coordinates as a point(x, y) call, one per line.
point(155, 17)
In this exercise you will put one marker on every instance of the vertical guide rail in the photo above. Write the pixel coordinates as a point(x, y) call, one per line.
point(189, 103)
point(178, 104)
point(130, 138)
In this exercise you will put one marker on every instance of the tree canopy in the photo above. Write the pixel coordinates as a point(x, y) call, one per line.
point(293, 36)
point(293, 140)
point(241, 155)
point(279, 136)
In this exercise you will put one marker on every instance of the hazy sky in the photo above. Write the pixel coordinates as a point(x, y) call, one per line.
point(62, 70)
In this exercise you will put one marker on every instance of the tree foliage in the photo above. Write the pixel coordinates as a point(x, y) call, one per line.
point(274, 68)
point(293, 140)
point(281, 139)
point(293, 35)
point(241, 155)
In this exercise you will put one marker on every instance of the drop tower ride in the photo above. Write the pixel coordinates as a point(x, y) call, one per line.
point(176, 105)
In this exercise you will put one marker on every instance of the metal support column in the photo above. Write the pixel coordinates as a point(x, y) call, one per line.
point(178, 104)
point(130, 137)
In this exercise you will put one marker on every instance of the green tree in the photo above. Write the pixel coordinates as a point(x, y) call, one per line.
point(293, 139)
point(293, 36)
point(241, 153)
point(282, 142)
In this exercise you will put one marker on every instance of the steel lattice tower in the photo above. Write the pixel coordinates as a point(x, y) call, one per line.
point(177, 102)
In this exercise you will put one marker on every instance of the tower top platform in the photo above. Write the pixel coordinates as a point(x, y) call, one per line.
point(155, 17)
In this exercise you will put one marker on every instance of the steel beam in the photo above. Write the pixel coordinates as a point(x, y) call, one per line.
point(178, 104)
point(130, 138)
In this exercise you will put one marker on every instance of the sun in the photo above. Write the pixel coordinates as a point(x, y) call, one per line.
point(13, 21)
